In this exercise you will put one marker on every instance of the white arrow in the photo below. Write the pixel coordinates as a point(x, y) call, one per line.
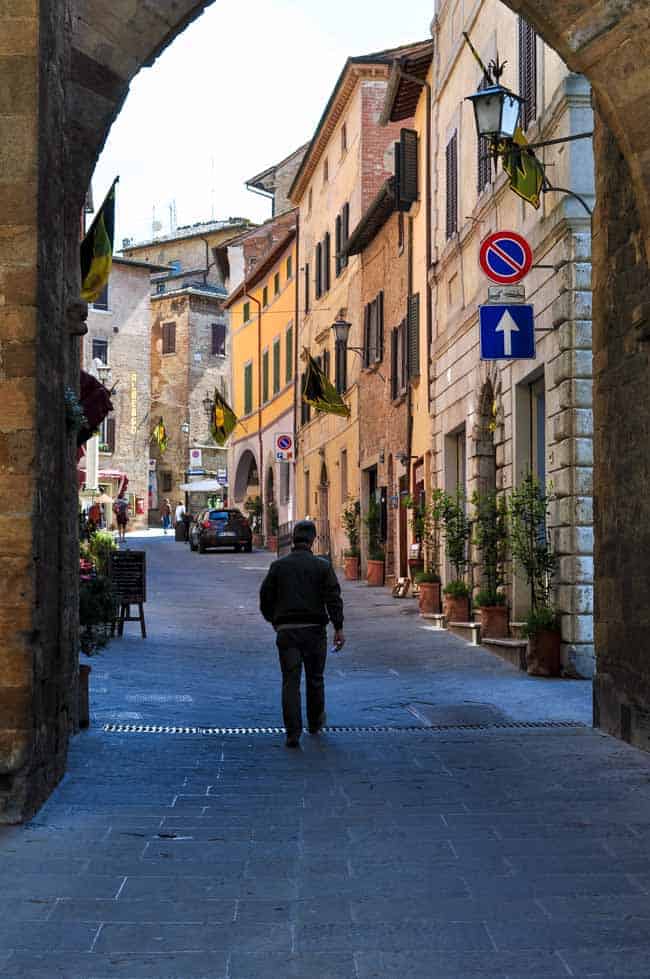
point(507, 326)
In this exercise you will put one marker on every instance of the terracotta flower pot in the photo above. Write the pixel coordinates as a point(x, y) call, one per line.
point(375, 575)
point(456, 608)
point(543, 655)
point(429, 598)
point(494, 621)
point(351, 567)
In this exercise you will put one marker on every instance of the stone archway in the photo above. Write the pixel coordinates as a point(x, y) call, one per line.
point(66, 70)
point(246, 474)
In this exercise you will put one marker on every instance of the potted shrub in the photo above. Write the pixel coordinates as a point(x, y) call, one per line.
point(456, 531)
point(272, 526)
point(253, 507)
point(491, 538)
point(350, 522)
point(372, 520)
point(533, 553)
point(429, 592)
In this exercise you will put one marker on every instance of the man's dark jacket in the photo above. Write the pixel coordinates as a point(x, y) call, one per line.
point(301, 588)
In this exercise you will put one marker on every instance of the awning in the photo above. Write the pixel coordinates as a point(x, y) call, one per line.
point(202, 486)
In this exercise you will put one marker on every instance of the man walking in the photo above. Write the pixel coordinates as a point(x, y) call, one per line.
point(298, 596)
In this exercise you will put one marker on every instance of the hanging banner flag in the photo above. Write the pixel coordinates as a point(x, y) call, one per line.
point(320, 393)
point(96, 250)
point(159, 436)
point(524, 169)
point(223, 420)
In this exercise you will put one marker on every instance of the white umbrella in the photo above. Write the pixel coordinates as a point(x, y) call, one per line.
point(202, 486)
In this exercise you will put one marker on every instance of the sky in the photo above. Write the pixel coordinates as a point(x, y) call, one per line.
point(237, 91)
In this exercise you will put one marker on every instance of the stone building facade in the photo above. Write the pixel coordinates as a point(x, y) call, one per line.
point(348, 160)
point(117, 350)
point(190, 358)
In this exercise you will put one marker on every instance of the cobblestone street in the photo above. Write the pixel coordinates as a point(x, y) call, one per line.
point(439, 850)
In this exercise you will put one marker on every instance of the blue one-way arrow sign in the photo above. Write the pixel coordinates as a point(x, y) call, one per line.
point(507, 332)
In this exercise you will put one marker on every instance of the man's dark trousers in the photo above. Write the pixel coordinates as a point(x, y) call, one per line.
point(296, 647)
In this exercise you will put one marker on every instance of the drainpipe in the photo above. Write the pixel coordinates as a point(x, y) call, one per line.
point(296, 388)
point(259, 396)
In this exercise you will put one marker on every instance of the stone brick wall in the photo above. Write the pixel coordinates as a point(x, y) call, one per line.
point(621, 347)
point(377, 142)
point(383, 423)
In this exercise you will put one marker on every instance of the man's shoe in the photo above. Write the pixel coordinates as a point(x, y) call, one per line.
point(293, 741)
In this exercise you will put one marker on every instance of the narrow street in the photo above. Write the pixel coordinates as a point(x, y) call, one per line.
point(439, 850)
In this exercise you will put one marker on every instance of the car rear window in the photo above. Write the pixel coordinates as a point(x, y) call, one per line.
point(218, 515)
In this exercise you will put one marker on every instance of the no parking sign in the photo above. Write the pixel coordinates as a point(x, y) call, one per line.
point(284, 448)
point(505, 257)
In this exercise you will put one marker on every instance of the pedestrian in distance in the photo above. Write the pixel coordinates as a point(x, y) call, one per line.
point(121, 511)
point(299, 595)
point(180, 512)
point(166, 515)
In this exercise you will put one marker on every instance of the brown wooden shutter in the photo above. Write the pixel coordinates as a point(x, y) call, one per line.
point(326, 364)
point(345, 233)
point(110, 434)
point(413, 339)
point(408, 169)
point(307, 287)
point(338, 244)
point(366, 336)
point(451, 159)
point(318, 265)
point(380, 328)
point(326, 262)
point(527, 72)
point(341, 366)
point(394, 388)
point(169, 338)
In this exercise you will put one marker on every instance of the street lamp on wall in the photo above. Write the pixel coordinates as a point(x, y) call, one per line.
point(496, 112)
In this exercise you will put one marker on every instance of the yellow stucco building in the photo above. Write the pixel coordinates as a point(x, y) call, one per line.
point(262, 314)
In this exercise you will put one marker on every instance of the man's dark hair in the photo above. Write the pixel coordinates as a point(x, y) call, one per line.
point(304, 532)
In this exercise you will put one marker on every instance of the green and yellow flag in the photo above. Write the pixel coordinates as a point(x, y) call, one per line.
point(159, 436)
point(524, 169)
point(223, 419)
point(320, 393)
point(96, 250)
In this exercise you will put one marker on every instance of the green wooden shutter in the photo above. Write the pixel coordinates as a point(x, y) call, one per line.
point(413, 335)
point(276, 365)
point(288, 355)
point(265, 377)
point(248, 389)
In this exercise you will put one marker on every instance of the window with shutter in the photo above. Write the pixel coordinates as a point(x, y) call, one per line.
point(265, 377)
point(366, 336)
point(289, 267)
point(276, 365)
point(246, 312)
point(484, 161)
point(169, 338)
point(305, 411)
point(337, 244)
point(248, 389)
point(527, 72)
point(326, 364)
point(326, 262)
point(394, 380)
point(110, 434)
point(413, 335)
point(341, 366)
point(318, 267)
point(402, 357)
point(307, 286)
point(218, 339)
point(265, 296)
point(451, 159)
point(288, 354)
point(345, 232)
point(408, 168)
point(276, 284)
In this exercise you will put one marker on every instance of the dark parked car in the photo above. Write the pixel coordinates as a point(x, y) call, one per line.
point(221, 528)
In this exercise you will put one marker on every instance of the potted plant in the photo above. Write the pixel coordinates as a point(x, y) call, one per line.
point(491, 538)
point(456, 531)
point(416, 522)
point(272, 526)
point(533, 552)
point(253, 507)
point(429, 592)
point(350, 522)
point(372, 520)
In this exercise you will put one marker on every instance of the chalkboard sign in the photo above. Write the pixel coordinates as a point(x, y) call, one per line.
point(128, 571)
